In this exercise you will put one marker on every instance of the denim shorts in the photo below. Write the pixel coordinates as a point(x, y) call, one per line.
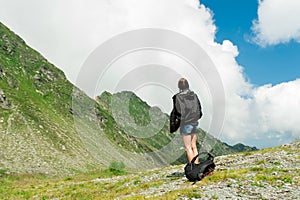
point(188, 129)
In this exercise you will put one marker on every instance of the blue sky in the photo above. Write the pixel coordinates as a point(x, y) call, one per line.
point(262, 65)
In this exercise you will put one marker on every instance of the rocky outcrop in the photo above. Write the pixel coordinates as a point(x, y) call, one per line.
point(8, 46)
point(4, 101)
point(2, 73)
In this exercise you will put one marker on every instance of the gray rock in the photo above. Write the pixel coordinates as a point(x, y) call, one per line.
point(4, 101)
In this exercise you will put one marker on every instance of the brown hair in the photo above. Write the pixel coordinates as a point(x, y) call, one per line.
point(183, 84)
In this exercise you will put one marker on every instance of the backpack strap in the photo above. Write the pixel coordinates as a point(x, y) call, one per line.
point(210, 157)
point(193, 160)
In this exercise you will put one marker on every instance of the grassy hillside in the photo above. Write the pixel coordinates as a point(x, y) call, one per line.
point(35, 118)
point(272, 173)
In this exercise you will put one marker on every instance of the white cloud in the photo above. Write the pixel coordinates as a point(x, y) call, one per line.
point(278, 22)
point(267, 117)
point(66, 32)
point(278, 106)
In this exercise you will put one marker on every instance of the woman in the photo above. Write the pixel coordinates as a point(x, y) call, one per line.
point(186, 113)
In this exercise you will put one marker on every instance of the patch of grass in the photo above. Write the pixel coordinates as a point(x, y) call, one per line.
point(3, 171)
point(287, 180)
point(247, 153)
point(68, 178)
point(256, 169)
point(194, 195)
point(71, 187)
point(277, 163)
point(261, 178)
point(154, 184)
point(257, 184)
point(222, 175)
point(261, 162)
point(189, 192)
point(137, 181)
point(284, 170)
point(136, 197)
point(273, 175)
point(239, 184)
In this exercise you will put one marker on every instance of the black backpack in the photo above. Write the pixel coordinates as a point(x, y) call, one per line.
point(174, 121)
point(196, 172)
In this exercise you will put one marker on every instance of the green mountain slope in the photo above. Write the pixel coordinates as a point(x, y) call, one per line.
point(35, 118)
point(49, 126)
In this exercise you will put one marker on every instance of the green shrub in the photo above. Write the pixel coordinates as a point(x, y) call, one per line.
point(117, 168)
point(3, 171)
point(277, 163)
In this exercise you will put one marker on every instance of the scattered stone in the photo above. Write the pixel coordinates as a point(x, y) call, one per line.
point(4, 101)
point(2, 73)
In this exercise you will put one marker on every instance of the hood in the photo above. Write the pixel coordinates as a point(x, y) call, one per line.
point(187, 95)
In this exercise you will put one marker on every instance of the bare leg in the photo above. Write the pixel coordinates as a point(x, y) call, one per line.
point(189, 147)
point(194, 146)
